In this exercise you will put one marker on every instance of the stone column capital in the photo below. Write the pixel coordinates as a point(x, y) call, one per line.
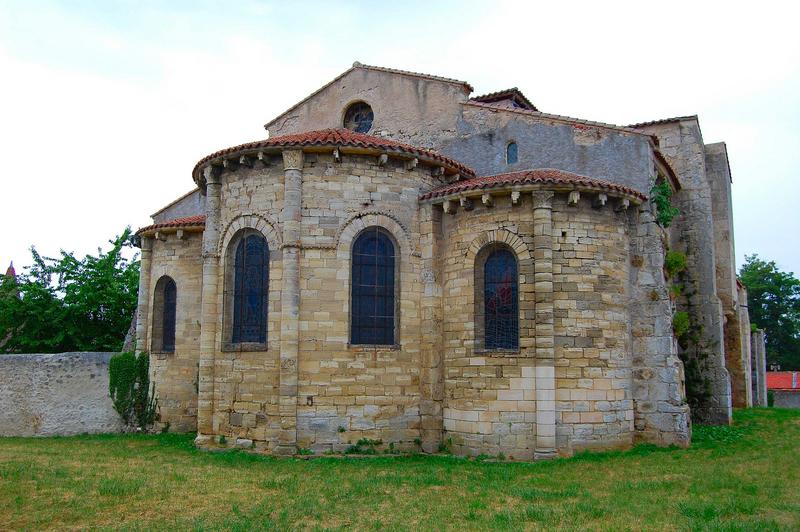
point(292, 159)
point(146, 245)
point(211, 174)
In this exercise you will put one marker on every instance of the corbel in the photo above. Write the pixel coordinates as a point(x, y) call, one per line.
point(437, 171)
point(623, 205)
point(515, 197)
point(600, 200)
point(246, 160)
point(412, 163)
point(487, 200)
point(466, 203)
point(383, 158)
point(574, 197)
point(449, 206)
point(336, 155)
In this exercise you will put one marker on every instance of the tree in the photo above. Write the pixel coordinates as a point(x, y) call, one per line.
point(70, 304)
point(774, 305)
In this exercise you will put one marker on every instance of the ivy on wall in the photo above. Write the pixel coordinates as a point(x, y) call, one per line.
point(661, 197)
point(131, 393)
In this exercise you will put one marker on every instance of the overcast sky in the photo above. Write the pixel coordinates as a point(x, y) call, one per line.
point(106, 106)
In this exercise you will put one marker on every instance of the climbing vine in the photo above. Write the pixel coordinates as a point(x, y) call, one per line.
point(661, 197)
point(131, 393)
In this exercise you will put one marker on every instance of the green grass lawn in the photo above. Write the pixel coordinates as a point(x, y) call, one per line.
point(743, 477)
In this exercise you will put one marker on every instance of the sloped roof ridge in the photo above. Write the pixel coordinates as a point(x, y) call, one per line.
point(505, 92)
point(414, 74)
point(185, 221)
point(663, 121)
point(561, 118)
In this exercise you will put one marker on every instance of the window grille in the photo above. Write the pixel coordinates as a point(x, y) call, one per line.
point(373, 289)
point(250, 290)
point(501, 311)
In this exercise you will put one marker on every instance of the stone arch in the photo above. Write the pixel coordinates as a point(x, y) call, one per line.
point(499, 236)
point(257, 222)
point(358, 222)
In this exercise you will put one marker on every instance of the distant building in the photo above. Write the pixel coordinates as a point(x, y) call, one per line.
point(785, 385)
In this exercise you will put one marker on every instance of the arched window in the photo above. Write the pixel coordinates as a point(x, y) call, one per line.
point(372, 293)
point(512, 153)
point(165, 301)
point(250, 290)
point(500, 305)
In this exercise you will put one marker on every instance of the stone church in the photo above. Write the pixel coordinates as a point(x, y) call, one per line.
point(402, 261)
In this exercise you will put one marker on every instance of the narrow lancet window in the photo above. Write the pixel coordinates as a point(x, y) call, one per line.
point(512, 154)
point(165, 300)
point(250, 290)
point(373, 287)
point(500, 291)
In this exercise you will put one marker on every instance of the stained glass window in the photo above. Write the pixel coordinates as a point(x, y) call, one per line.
point(500, 287)
point(358, 117)
point(250, 290)
point(373, 289)
point(168, 324)
point(512, 153)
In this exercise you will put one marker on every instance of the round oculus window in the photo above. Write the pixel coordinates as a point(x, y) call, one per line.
point(358, 117)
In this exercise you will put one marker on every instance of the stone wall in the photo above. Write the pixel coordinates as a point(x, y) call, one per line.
point(189, 204)
point(175, 374)
point(60, 394)
point(758, 357)
point(682, 144)
point(786, 399)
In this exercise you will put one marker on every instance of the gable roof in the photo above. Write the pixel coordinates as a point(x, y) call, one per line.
point(663, 121)
point(356, 65)
point(513, 94)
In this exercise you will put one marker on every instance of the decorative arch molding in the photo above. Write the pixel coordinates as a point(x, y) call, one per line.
point(499, 236)
point(258, 222)
point(360, 221)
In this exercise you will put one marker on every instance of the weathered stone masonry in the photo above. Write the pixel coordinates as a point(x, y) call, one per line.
point(597, 364)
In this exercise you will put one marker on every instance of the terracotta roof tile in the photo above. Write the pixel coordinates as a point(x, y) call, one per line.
point(663, 121)
point(335, 138)
point(198, 220)
point(548, 176)
point(507, 94)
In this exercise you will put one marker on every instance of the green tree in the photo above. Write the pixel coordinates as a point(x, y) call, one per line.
point(774, 305)
point(70, 304)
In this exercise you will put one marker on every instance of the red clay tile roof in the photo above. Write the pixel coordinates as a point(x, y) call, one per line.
point(335, 138)
point(198, 220)
point(546, 176)
point(507, 94)
point(783, 380)
point(11, 272)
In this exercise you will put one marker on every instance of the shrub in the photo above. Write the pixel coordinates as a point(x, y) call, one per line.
point(131, 393)
point(674, 262)
point(661, 197)
point(680, 323)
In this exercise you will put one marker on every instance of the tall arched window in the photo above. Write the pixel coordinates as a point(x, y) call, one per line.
point(372, 293)
point(165, 301)
point(250, 290)
point(500, 305)
point(512, 153)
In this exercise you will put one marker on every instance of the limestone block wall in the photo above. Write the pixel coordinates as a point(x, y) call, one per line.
point(594, 405)
point(60, 394)
point(343, 392)
point(175, 374)
point(682, 144)
point(489, 396)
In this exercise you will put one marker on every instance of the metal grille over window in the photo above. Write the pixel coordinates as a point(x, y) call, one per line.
point(501, 312)
point(512, 153)
point(250, 290)
point(358, 117)
point(168, 325)
point(373, 289)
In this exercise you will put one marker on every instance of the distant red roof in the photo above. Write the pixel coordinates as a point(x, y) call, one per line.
point(11, 272)
point(783, 380)
point(335, 138)
point(188, 221)
point(547, 176)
